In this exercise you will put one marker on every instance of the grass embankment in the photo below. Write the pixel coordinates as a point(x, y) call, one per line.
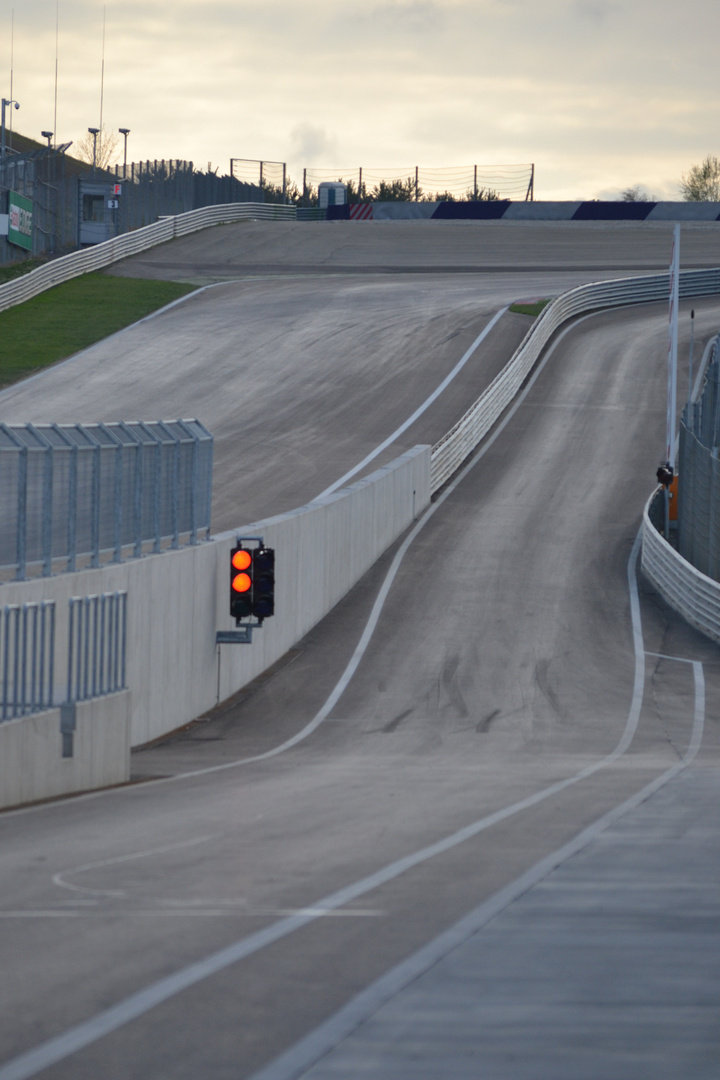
point(70, 317)
point(15, 270)
point(533, 308)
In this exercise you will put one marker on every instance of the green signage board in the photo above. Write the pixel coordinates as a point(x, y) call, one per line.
point(20, 211)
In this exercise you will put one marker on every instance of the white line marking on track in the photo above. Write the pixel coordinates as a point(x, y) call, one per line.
point(59, 878)
point(418, 412)
point(57, 1049)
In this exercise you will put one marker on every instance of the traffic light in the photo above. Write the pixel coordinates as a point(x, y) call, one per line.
point(252, 583)
point(241, 582)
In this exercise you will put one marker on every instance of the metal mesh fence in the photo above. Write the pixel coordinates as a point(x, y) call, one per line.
point(416, 183)
point(97, 645)
point(112, 491)
point(27, 658)
point(43, 177)
point(699, 483)
point(267, 177)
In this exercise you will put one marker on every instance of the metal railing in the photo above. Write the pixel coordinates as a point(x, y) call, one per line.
point(458, 443)
point(699, 468)
point(691, 593)
point(101, 255)
point(27, 658)
point(97, 644)
point(69, 491)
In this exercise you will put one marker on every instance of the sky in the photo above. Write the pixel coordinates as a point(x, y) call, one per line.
point(600, 95)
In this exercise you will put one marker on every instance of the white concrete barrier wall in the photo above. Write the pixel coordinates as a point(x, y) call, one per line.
point(178, 600)
point(31, 763)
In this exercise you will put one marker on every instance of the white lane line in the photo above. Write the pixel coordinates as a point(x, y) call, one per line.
point(377, 608)
point(62, 1046)
point(59, 878)
point(295, 1062)
point(345, 678)
point(418, 412)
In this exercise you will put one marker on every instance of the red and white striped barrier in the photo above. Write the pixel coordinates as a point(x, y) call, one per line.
point(361, 211)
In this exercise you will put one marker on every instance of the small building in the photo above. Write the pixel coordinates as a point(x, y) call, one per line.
point(331, 193)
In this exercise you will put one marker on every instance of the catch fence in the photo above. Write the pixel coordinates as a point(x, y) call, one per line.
point(699, 477)
point(73, 494)
point(419, 184)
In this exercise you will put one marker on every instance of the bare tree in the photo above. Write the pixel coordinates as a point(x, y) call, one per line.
point(635, 194)
point(106, 152)
point(702, 182)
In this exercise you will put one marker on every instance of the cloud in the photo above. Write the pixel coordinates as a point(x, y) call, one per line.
point(311, 143)
point(595, 94)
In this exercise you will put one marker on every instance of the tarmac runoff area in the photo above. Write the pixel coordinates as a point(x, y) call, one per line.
point(607, 967)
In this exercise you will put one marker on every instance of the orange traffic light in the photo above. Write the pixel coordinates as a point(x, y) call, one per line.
point(241, 567)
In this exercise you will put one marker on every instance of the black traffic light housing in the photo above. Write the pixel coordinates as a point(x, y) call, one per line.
point(252, 582)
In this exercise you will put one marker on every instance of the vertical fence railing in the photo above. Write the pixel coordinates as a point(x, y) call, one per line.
point(97, 645)
point(27, 658)
point(100, 491)
point(699, 477)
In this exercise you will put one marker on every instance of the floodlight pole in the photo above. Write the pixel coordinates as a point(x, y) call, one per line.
point(94, 132)
point(5, 103)
point(124, 132)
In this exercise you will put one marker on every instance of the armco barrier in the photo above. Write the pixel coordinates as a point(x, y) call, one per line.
point(461, 440)
point(178, 600)
point(120, 247)
point(692, 594)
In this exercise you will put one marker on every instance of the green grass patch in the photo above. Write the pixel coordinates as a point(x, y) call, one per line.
point(70, 317)
point(17, 269)
point(533, 308)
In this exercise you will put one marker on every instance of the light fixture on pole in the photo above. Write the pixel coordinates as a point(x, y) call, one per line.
point(47, 135)
point(94, 132)
point(5, 103)
point(124, 132)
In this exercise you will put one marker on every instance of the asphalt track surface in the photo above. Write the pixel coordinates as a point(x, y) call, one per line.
point(520, 684)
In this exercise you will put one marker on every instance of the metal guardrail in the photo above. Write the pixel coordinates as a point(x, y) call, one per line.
point(97, 645)
point(120, 247)
point(692, 594)
point(74, 490)
point(27, 658)
point(458, 443)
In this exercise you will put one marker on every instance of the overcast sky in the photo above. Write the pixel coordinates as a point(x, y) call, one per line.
point(600, 94)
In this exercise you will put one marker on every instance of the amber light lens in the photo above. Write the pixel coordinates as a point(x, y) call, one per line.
point(241, 560)
point(241, 582)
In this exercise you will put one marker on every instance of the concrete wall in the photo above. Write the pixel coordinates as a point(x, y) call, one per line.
point(178, 600)
point(506, 210)
point(32, 766)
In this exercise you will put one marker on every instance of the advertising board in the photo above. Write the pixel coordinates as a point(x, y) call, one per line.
point(20, 212)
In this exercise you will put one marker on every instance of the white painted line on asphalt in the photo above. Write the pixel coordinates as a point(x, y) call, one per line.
point(418, 412)
point(59, 878)
point(379, 604)
point(60, 1047)
point(63, 1046)
point(295, 1062)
